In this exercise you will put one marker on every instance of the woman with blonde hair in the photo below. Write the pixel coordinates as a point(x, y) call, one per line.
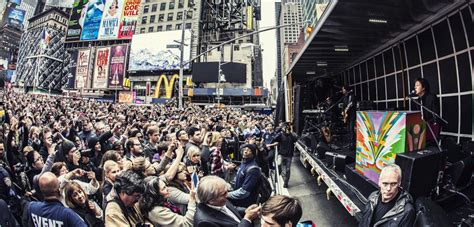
point(110, 171)
point(193, 163)
point(216, 161)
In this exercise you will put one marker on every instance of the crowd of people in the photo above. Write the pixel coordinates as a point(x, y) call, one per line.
point(80, 162)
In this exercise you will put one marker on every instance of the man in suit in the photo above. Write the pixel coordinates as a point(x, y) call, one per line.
point(214, 210)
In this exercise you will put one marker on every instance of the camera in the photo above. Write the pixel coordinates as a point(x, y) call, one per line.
point(87, 153)
point(19, 167)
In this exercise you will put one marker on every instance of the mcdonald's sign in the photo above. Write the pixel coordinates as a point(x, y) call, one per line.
point(169, 85)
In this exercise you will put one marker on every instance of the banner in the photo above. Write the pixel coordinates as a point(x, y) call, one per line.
point(126, 97)
point(71, 76)
point(117, 66)
point(82, 69)
point(129, 19)
point(110, 21)
point(101, 68)
point(93, 17)
point(76, 21)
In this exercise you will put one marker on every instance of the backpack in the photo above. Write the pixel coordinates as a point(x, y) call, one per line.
point(264, 188)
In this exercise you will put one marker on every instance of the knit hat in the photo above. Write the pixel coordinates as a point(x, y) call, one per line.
point(92, 141)
point(66, 146)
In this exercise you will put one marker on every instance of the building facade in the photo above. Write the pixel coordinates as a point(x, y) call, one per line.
point(30, 7)
point(43, 59)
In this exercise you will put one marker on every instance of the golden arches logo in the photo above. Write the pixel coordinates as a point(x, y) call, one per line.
point(169, 84)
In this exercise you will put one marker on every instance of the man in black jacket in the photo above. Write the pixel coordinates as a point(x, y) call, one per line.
point(214, 210)
point(391, 206)
point(286, 146)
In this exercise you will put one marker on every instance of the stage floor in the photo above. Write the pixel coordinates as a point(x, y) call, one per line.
point(316, 207)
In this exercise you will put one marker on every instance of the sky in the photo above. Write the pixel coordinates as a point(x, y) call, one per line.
point(268, 41)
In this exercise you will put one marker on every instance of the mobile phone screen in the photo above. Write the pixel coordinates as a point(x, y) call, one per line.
point(195, 179)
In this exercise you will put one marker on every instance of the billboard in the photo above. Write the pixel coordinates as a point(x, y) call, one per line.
point(72, 69)
point(109, 26)
point(117, 66)
point(128, 22)
point(102, 19)
point(163, 55)
point(16, 2)
point(15, 17)
point(101, 68)
point(60, 3)
point(82, 69)
point(92, 20)
point(76, 21)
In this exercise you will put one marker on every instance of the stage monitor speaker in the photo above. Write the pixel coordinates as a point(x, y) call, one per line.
point(359, 181)
point(338, 160)
point(430, 214)
point(419, 171)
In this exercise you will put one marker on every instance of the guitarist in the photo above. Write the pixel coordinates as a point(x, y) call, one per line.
point(349, 112)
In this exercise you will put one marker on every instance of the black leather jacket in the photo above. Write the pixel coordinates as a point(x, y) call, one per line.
point(402, 214)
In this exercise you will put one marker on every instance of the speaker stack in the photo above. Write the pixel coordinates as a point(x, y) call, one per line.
point(420, 171)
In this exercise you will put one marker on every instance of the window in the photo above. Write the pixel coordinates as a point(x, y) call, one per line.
point(170, 16)
point(236, 47)
point(178, 26)
point(161, 17)
point(180, 4)
point(152, 19)
point(190, 3)
point(190, 15)
point(150, 29)
point(162, 6)
point(188, 26)
point(144, 20)
point(171, 6)
point(179, 16)
point(142, 30)
point(146, 9)
point(159, 28)
point(169, 27)
point(154, 7)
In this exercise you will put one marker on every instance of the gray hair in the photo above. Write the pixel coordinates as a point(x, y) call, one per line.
point(393, 168)
point(208, 188)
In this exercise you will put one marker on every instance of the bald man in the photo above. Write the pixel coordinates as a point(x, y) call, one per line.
point(51, 211)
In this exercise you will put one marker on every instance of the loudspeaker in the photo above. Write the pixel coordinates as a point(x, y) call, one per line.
point(297, 110)
point(338, 160)
point(362, 183)
point(461, 172)
point(420, 171)
point(430, 214)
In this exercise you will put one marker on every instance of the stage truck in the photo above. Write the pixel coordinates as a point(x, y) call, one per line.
point(379, 49)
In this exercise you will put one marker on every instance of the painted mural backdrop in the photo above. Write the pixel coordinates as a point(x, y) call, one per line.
point(101, 68)
point(382, 135)
point(117, 66)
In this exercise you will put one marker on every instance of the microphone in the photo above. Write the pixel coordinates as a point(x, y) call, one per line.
point(412, 94)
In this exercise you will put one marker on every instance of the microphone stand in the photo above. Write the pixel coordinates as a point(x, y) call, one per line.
point(441, 172)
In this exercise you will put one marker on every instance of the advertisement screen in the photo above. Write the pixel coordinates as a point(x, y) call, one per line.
point(129, 19)
point(17, 2)
point(60, 3)
point(15, 17)
point(109, 26)
point(101, 68)
point(76, 21)
point(92, 20)
point(164, 54)
point(82, 69)
point(72, 68)
point(117, 66)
